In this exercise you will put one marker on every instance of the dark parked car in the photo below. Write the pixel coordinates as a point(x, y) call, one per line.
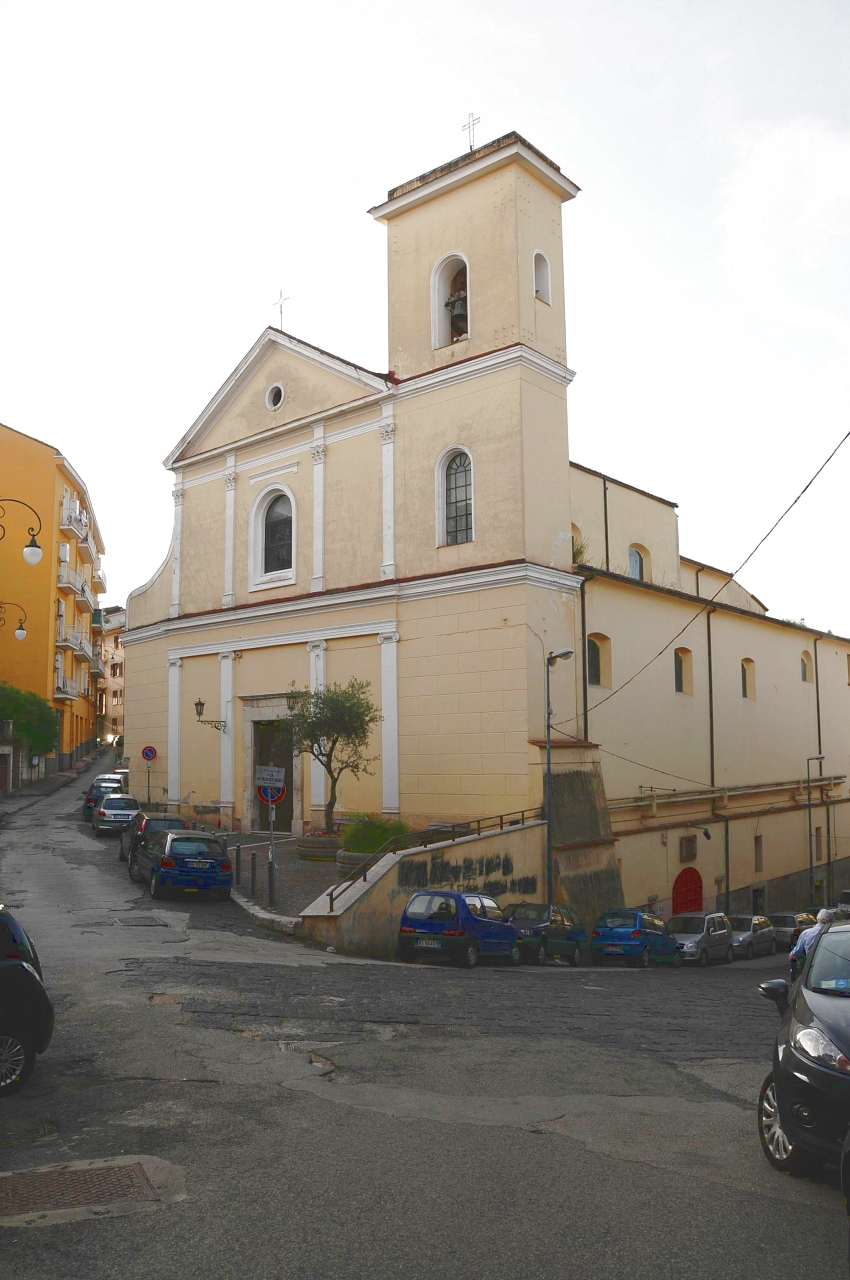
point(189, 860)
point(804, 1107)
point(546, 931)
point(26, 1011)
point(634, 936)
point(100, 787)
point(456, 926)
point(788, 926)
point(144, 824)
point(113, 812)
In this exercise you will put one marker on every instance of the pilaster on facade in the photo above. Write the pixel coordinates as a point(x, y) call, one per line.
point(387, 429)
point(317, 650)
point(228, 599)
point(388, 640)
point(174, 607)
point(174, 665)
point(317, 450)
point(226, 788)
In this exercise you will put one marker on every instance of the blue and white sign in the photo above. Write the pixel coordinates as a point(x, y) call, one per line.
point(148, 753)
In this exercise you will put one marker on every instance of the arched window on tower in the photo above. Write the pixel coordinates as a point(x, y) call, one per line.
point(277, 540)
point(449, 301)
point(458, 499)
point(541, 278)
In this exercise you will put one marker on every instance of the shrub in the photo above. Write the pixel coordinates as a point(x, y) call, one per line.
point(365, 834)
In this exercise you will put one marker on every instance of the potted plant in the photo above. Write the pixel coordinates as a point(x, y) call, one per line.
point(364, 835)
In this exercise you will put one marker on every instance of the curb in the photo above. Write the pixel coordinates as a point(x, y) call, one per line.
point(266, 919)
point(51, 791)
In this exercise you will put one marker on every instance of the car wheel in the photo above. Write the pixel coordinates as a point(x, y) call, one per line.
point(133, 871)
point(575, 956)
point(749, 951)
point(539, 954)
point(775, 1143)
point(469, 958)
point(643, 959)
point(730, 956)
point(514, 955)
point(17, 1059)
point(677, 959)
point(773, 947)
point(702, 959)
point(155, 886)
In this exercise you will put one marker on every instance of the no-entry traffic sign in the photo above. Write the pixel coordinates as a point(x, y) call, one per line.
point(271, 795)
point(148, 753)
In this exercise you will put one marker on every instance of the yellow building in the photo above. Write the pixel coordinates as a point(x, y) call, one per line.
point(110, 686)
point(417, 528)
point(57, 597)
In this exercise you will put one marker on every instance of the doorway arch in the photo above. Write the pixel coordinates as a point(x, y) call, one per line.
point(687, 891)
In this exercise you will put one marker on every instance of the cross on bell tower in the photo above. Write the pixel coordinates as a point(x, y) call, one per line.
point(470, 128)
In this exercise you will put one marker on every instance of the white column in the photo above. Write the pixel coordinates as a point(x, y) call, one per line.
point(388, 486)
point(388, 640)
point(225, 786)
point(174, 607)
point(316, 649)
point(174, 665)
point(228, 599)
point(317, 449)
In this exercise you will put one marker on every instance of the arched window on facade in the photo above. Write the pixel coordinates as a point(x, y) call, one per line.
point(748, 679)
point(542, 289)
point(449, 301)
point(599, 660)
point(806, 667)
point(458, 499)
point(277, 535)
point(640, 563)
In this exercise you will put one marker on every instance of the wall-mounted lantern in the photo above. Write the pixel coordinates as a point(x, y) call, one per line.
point(20, 630)
point(221, 725)
point(32, 552)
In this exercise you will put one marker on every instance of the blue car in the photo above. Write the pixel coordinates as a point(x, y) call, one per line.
point(188, 860)
point(456, 926)
point(638, 937)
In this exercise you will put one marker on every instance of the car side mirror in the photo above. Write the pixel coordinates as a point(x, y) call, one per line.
point(777, 990)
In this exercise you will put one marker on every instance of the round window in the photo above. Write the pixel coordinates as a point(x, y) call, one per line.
point(274, 396)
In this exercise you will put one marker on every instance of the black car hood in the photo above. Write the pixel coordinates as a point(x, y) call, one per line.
point(830, 1013)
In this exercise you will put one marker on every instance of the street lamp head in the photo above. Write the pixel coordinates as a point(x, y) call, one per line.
point(20, 633)
point(32, 552)
point(562, 653)
point(199, 708)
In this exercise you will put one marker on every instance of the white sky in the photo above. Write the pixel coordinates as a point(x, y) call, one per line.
point(165, 168)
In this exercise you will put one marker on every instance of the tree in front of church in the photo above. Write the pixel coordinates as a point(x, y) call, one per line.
point(333, 725)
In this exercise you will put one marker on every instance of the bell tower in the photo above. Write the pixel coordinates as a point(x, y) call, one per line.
point(476, 258)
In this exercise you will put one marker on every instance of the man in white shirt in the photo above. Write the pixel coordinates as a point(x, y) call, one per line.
point(807, 937)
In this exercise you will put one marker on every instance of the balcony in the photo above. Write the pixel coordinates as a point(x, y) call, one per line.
point(65, 690)
point(82, 648)
point(69, 579)
point(97, 665)
point(70, 520)
point(97, 619)
point(86, 549)
point(98, 576)
point(86, 602)
point(66, 637)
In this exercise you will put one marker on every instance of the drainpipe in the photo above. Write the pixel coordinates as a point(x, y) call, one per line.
point(605, 514)
point(584, 660)
point(829, 888)
point(709, 612)
point(820, 767)
point(726, 864)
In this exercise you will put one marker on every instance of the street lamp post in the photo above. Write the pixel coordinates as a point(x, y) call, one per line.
point(32, 551)
point(20, 630)
point(551, 659)
point(809, 760)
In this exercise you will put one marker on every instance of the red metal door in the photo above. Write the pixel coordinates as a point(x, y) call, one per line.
point(687, 891)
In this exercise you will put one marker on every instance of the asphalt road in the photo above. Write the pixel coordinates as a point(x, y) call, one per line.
point(359, 1119)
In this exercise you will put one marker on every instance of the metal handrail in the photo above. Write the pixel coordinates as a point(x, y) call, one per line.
point(450, 831)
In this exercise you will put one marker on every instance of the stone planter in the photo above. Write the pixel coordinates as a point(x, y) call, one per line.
point(346, 861)
point(317, 848)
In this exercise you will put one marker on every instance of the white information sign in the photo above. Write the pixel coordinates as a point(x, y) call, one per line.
point(268, 776)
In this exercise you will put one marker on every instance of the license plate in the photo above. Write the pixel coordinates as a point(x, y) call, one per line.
point(614, 951)
point(195, 862)
point(428, 942)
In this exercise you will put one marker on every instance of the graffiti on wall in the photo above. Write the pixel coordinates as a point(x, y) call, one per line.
point(492, 875)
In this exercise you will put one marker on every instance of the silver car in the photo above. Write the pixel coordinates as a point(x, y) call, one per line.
point(752, 936)
point(113, 812)
point(787, 927)
point(701, 938)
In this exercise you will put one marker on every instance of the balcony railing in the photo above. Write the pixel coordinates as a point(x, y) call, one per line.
point(86, 549)
point(66, 637)
point(71, 521)
point(97, 664)
point(85, 600)
point(66, 689)
point(97, 617)
point(99, 576)
point(82, 648)
point(69, 579)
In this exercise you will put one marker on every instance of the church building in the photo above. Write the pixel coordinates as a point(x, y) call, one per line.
point(424, 529)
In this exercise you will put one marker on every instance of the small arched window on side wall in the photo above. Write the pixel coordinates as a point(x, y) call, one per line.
point(599, 660)
point(542, 278)
point(806, 667)
point(272, 529)
point(640, 564)
point(449, 301)
point(748, 679)
point(683, 671)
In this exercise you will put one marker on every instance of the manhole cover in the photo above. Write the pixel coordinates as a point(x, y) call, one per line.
point(141, 922)
point(46, 1189)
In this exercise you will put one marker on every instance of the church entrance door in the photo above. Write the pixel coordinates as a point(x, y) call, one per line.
point(687, 891)
point(273, 746)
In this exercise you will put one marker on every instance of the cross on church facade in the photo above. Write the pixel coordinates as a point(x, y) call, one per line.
point(470, 126)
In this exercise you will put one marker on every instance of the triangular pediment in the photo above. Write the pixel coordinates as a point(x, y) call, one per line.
point(313, 382)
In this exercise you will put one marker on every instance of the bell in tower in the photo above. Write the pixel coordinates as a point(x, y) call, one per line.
point(456, 304)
